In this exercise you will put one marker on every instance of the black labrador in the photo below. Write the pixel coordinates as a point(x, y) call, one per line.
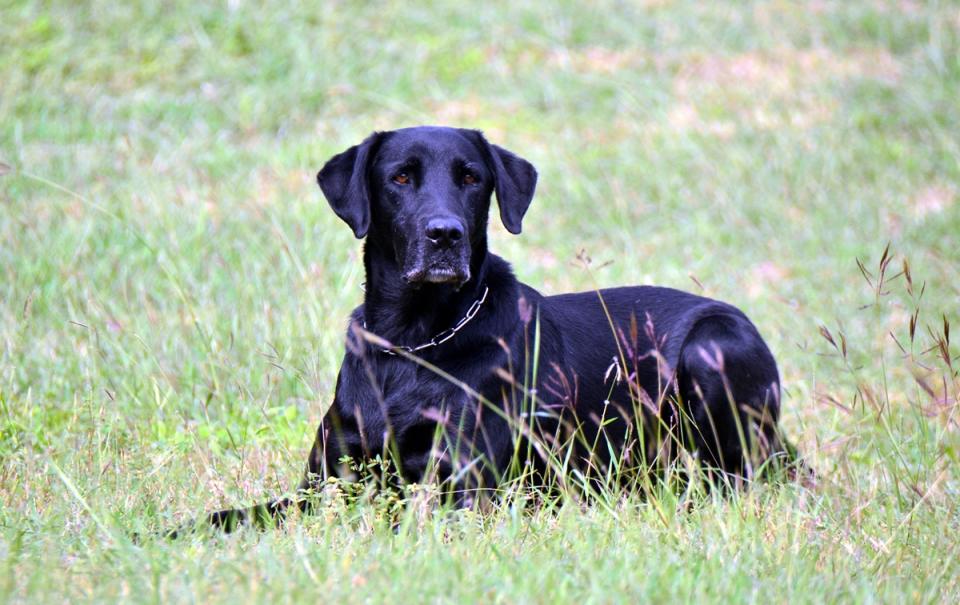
point(458, 374)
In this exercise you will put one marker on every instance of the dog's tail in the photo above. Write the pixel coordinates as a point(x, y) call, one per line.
point(266, 515)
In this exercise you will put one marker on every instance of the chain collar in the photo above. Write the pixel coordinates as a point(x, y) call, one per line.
point(445, 335)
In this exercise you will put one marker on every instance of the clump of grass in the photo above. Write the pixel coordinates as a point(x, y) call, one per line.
point(911, 412)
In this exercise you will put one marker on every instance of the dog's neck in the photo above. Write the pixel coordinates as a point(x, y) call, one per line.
point(409, 314)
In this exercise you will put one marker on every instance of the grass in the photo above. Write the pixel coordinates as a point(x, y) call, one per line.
point(173, 288)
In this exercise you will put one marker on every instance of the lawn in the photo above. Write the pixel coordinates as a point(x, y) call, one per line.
point(174, 288)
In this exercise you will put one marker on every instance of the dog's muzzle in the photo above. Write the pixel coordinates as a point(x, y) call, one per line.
point(441, 255)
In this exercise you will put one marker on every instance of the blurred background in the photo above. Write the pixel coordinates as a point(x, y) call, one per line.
point(174, 288)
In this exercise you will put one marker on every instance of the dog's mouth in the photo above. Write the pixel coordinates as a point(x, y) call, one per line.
point(437, 275)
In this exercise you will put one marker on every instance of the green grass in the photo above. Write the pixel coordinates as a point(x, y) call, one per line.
point(174, 289)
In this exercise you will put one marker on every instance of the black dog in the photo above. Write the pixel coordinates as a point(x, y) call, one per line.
point(458, 374)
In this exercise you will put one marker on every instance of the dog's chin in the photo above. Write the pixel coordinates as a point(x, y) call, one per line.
point(437, 275)
point(441, 276)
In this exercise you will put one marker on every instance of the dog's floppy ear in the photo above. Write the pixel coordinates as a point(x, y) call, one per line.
point(515, 182)
point(343, 180)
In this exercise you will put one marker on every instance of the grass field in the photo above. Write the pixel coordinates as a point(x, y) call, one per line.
point(174, 288)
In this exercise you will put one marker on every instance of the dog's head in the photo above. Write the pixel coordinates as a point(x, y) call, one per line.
point(424, 193)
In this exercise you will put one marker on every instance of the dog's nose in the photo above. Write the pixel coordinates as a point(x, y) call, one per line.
point(444, 232)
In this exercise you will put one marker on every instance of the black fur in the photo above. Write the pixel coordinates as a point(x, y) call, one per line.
point(616, 370)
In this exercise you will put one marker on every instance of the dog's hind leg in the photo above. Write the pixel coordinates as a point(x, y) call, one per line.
point(729, 388)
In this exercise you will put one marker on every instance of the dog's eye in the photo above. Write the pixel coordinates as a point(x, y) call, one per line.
point(469, 179)
point(401, 178)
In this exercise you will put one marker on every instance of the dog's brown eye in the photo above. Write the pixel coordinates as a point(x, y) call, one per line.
point(401, 178)
point(469, 179)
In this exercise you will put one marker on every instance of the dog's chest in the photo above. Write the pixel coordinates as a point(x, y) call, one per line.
point(388, 394)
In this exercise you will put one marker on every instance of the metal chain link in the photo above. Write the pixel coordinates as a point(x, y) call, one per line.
point(445, 335)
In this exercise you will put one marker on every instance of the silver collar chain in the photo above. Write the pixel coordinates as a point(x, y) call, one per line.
point(447, 334)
